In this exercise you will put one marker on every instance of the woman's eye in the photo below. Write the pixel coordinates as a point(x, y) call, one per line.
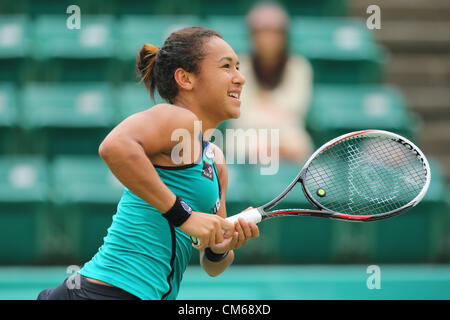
point(228, 66)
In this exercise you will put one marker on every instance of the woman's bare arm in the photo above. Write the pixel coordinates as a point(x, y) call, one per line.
point(128, 149)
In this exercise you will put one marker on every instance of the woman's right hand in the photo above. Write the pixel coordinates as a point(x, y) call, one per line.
point(209, 229)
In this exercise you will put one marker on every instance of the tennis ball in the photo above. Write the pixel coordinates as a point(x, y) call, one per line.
point(321, 192)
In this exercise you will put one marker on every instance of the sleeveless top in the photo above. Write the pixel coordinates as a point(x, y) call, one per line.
point(142, 253)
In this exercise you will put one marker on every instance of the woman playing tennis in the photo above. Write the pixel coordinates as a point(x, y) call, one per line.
point(148, 245)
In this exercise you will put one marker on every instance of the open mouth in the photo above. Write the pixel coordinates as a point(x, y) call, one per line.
point(234, 95)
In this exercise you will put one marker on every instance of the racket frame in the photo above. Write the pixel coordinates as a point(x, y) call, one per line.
point(325, 212)
point(261, 213)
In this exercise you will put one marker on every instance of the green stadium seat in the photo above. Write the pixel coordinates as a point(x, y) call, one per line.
point(310, 239)
point(224, 7)
point(8, 104)
point(23, 198)
point(84, 54)
point(293, 7)
point(135, 30)
point(276, 183)
point(339, 109)
point(419, 235)
point(14, 38)
point(8, 116)
point(241, 195)
point(240, 190)
point(45, 7)
point(341, 50)
point(68, 119)
point(85, 195)
point(24, 179)
point(325, 8)
point(233, 29)
point(416, 236)
point(142, 7)
point(95, 38)
point(284, 240)
point(133, 98)
point(54, 7)
point(11, 7)
point(14, 47)
point(84, 179)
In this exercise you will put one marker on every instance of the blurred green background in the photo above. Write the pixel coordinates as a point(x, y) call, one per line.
point(62, 90)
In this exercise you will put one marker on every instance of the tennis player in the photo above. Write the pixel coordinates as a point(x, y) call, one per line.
point(148, 245)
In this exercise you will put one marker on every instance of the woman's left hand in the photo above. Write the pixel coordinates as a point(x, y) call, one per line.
point(243, 232)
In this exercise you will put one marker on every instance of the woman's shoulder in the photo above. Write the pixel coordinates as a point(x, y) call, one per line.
point(172, 110)
point(170, 115)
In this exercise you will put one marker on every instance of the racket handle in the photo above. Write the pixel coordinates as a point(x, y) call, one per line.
point(251, 215)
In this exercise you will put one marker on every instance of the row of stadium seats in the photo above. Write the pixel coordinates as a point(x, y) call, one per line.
point(59, 211)
point(74, 118)
point(202, 7)
point(62, 209)
point(341, 50)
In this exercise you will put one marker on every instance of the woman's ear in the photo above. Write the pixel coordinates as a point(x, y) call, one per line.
point(184, 79)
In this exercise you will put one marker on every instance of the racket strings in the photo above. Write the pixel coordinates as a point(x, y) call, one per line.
point(385, 192)
point(382, 179)
point(366, 175)
point(394, 158)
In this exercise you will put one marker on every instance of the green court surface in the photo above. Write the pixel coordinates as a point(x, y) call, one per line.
point(267, 282)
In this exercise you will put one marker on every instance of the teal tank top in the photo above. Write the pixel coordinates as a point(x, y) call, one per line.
point(142, 253)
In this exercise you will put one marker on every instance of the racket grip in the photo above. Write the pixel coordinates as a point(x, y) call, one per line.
point(251, 215)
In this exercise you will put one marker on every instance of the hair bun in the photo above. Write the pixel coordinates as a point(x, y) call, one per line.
point(145, 60)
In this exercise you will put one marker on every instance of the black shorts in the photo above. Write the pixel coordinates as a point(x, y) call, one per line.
point(83, 289)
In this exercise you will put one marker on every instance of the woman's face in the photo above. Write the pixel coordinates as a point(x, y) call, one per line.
point(219, 83)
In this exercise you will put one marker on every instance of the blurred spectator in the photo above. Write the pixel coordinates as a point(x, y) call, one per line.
point(279, 84)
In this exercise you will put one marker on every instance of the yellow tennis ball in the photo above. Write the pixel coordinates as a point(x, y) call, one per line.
point(321, 192)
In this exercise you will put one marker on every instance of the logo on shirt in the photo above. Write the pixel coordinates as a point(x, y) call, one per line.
point(207, 171)
point(209, 152)
point(216, 206)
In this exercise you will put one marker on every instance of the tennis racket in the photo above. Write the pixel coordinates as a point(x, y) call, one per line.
point(360, 176)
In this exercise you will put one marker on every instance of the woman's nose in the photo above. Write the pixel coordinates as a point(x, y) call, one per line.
point(239, 78)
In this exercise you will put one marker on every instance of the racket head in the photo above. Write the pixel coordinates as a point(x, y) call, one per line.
point(366, 175)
